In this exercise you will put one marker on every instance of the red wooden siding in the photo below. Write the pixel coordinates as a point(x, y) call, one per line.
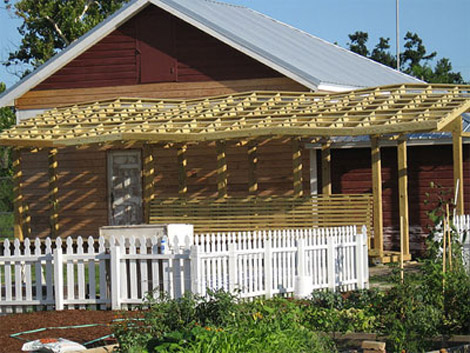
point(155, 47)
point(351, 173)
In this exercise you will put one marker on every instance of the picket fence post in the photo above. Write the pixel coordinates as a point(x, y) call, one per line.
point(58, 275)
point(115, 259)
point(195, 256)
point(268, 265)
point(331, 260)
point(232, 267)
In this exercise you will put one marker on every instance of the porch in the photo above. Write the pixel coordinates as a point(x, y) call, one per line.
point(245, 121)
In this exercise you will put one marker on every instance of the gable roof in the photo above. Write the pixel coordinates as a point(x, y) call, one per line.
point(309, 60)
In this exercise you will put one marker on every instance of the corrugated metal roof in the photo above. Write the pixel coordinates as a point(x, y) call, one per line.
point(309, 57)
point(443, 137)
point(309, 60)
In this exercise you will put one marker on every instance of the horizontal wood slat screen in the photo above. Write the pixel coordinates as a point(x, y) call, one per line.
point(256, 213)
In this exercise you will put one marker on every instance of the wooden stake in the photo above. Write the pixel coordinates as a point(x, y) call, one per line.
point(297, 167)
point(377, 194)
point(53, 191)
point(18, 194)
point(449, 235)
point(182, 163)
point(402, 225)
point(457, 152)
point(326, 168)
point(403, 193)
point(149, 179)
point(222, 177)
point(253, 163)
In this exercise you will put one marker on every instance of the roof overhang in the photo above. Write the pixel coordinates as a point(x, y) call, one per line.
point(398, 109)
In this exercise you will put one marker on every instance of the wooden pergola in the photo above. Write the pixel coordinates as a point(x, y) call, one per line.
point(387, 112)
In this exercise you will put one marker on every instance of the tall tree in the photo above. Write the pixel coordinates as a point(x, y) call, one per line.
point(415, 60)
point(358, 43)
point(51, 25)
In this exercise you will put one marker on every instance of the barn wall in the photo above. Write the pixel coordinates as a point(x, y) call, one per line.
point(155, 46)
point(351, 173)
point(82, 180)
point(274, 170)
point(82, 191)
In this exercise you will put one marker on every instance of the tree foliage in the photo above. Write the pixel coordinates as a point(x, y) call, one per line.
point(414, 60)
point(51, 25)
point(7, 120)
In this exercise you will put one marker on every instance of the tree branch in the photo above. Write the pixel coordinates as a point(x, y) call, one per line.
point(85, 9)
point(57, 29)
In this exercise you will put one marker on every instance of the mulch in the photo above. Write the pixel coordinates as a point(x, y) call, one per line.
point(14, 323)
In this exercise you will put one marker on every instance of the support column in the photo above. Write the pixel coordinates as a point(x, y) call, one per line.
point(377, 195)
point(253, 164)
point(53, 192)
point(326, 168)
point(297, 167)
point(222, 177)
point(149, 180)
point(457, 151)
point(403, 194)
point(182, 173)
point(18, 195)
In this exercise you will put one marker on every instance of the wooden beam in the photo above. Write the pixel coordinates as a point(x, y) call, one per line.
point(53, 191)
point(182, 172)
point(457, 152)
point(149, 180)
point(297, 166)
point(403, 193)
point(253, 164)
point(222, 177)
point(326, 167)
point(18, 194)
point(377, 195)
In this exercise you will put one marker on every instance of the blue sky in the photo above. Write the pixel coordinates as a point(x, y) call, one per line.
point(442, 24)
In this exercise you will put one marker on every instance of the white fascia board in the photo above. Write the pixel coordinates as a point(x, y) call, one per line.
point(311, 84)
point(24, 114)
point(328, 87)
point(366, 144)
point(78, 47)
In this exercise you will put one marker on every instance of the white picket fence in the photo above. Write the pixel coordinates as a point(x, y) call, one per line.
point(119, 273)
point(462, 223)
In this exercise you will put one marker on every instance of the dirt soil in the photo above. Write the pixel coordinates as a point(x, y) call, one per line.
point(14, 323)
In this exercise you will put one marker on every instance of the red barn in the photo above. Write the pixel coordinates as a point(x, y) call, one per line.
point(147, 118)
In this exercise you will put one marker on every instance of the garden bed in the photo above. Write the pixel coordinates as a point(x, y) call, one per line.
point(14, 323)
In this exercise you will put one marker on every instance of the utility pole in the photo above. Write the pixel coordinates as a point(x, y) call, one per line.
point(398, 32)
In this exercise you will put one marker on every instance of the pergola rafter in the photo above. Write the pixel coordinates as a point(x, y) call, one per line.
point(375, 111)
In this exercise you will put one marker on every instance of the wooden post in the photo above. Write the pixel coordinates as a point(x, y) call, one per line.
point(149, 180)
point(297, 166)
point(182, 173)
point(253, 164)
point(326, 168)
point(222, 177)
point(458, 164)
point(403, 195)
point(377, 195)
point(18, 194)
point(53, 191)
